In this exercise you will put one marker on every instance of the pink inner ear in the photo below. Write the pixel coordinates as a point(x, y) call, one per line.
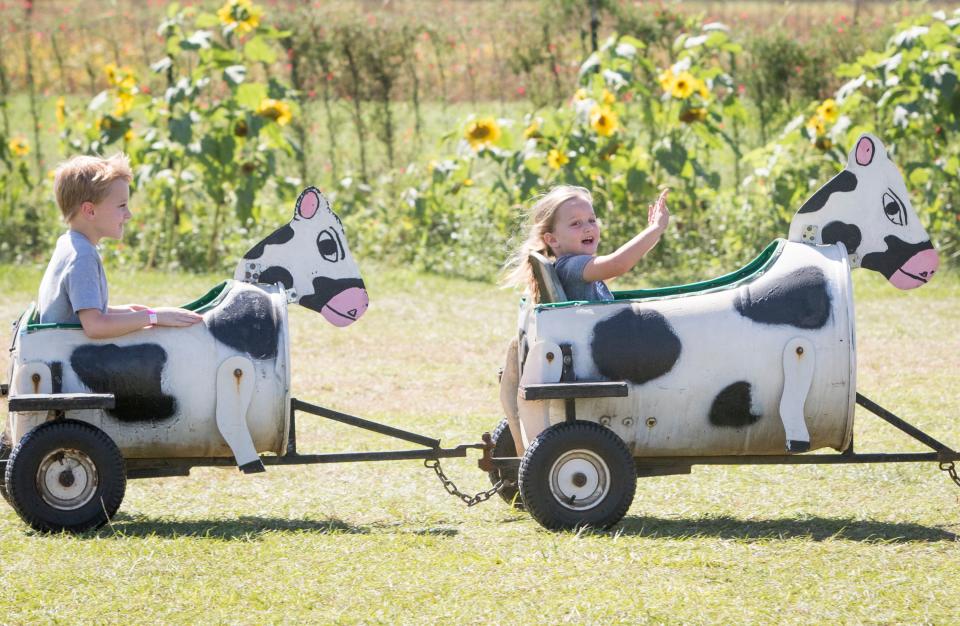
point(308, 205)
point(864, 151)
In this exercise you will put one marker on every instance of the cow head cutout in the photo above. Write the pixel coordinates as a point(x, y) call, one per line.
point(310, 257)
point(866, 208)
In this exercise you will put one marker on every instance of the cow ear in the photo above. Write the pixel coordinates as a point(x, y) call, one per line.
point(864, 151)
point(308, 203)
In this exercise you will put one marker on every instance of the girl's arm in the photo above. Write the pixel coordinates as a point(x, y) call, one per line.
point(629, 254)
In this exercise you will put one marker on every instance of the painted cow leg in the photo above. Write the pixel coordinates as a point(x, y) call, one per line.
point(234, 392)
point(544, 364)
point(798, 362)
point(509, 387)
point(32, 377)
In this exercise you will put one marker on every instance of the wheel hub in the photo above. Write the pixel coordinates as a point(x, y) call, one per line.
point(67, 479)
point(579, 480)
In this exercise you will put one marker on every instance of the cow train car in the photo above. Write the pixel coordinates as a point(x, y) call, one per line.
point(761, 362)
point(80, 407)
point(756, 366)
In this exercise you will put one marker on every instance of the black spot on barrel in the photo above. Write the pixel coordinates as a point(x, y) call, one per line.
point(849, 234)
point(326, 288)
point(732, 406)
point(842, 182)
point(132, 374)
point(800, 299)
point(280, 236)
point(897, 253)
point(636, 345)
point(276, 274)
point(56, 376)
point(247, 323)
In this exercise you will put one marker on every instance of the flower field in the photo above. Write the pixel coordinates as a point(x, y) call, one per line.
point(430, 135)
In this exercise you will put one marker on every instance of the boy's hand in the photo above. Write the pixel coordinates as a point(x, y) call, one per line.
point(657, 213)
point(173, 316)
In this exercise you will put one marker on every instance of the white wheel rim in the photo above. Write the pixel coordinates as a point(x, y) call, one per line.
point(579, 480)
point(67, 479)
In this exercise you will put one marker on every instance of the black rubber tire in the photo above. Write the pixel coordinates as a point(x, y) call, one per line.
point(4, 455)
point(503, 446)
point(23, 468)
point(589, 440)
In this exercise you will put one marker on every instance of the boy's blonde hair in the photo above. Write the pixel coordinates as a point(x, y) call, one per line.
point(86, 179)
point(541, 219)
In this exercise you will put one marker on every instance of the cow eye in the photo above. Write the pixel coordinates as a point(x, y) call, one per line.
point(327, 245)
point(894, 209)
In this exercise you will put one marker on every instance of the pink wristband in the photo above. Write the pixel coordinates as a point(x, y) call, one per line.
point(152, 315)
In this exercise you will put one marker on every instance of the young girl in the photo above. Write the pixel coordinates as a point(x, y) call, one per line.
point(562, 225)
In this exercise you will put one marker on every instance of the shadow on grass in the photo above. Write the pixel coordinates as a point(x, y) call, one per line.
point(247, 528)
point(813, 528)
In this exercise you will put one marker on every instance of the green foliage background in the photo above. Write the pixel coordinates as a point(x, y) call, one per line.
point(229, 118)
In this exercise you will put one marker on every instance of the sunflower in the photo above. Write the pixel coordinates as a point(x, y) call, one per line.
point(240, 15)
point(482, 132)
point(61, 110)
point(665, 79)
point(608, 98)
point(683, 85)
point(110, 69)
point(817, 126)
point(557, 159)
point(129, 135)
point(127, 81)
point(828, 111)
point(19, 146)
point(701, 88)
point(580, 94)
point(603, 120)
point(693, 114)
point(276, 110)
point(532, 131)
point(124, 104)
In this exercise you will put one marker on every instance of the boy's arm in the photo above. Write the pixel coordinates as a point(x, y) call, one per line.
point(99, 325)
point(621, 261)
point(125, 308)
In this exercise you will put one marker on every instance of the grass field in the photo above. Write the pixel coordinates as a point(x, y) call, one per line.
point(384, 543)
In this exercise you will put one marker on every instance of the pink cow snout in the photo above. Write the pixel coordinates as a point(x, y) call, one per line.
point(346, 307)
point(918, 270)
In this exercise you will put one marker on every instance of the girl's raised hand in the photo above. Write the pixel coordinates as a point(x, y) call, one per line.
point(657, 213)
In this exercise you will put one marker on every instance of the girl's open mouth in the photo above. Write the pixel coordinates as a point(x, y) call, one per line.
point(587, 241)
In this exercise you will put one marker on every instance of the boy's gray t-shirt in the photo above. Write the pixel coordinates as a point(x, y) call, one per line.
point(74, 280)
point(569, 269)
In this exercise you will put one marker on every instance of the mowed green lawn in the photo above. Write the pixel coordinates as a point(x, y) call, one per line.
point(382, 542)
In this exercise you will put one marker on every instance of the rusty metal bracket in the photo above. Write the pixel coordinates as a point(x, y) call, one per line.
point(485, 462)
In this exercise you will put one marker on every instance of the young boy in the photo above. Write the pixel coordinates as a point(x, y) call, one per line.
point(93, 194)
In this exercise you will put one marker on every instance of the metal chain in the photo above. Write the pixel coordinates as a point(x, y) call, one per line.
point(467, 499)
point(949, 468)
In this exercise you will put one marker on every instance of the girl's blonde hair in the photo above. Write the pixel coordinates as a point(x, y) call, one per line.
point(540, 219)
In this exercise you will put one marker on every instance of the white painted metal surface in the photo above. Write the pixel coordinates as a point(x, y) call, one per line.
point(669, 415)
point(193, 358)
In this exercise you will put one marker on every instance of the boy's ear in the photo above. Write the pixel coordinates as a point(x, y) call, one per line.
point(86, 209)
